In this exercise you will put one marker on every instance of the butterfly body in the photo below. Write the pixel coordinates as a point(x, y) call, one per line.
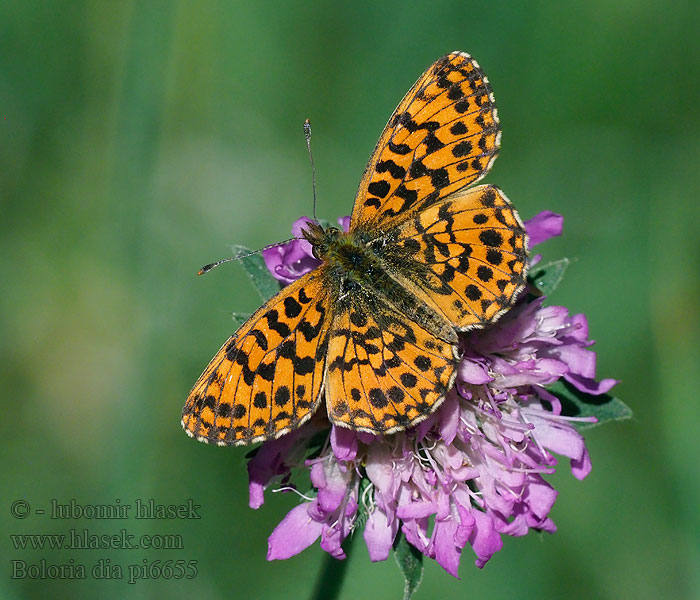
point(373, 331)
point(356, 269)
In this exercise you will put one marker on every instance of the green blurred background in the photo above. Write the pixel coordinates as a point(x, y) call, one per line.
point(139, 139)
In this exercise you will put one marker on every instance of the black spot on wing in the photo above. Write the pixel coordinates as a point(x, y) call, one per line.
point(484, 273)
point(302, 297)
point(292, 308)
point(490, 237)
point(272, 317)
point(472, 292)
point(401, 149)
point(494, 257)
point(379, 188)
point(377, 398)
point(462, 149)
point(260, 400)
point(459, 128)
point(259, 338)
point(267, 370)
point(282, 395)
point(396, 171)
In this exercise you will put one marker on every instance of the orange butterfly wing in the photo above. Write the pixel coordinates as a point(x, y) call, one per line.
point(465, 256)
point(384, 372)
point(443, 136)
point(267, 378)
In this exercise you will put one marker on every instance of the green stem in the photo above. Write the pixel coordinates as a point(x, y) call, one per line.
point(330, 579)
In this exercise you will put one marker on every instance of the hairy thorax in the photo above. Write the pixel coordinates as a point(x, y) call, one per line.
point(362, 275)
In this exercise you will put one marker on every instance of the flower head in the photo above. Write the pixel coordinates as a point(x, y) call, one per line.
point(473, 471)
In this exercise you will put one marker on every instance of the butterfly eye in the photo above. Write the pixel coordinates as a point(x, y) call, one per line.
point(319, 250)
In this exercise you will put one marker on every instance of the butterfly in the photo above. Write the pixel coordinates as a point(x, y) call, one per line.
point(373, 331)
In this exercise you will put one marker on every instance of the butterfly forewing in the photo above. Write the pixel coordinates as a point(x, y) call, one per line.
point(267, 378)
point(443, 136)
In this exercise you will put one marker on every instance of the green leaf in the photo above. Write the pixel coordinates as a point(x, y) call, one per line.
point(362, 510)
point(547, 277)
point(252, 452)
point(410, 561)
point(576, 403)
point(254, 266)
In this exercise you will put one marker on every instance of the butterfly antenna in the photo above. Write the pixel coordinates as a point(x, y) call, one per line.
point(209, 267)
point(307, 135)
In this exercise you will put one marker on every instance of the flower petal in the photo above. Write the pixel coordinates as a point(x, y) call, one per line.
point(296, 532)
point(379, 468)
point(474, 372)
point(333, 490)
point(580, 467)
point(579, 360)
point(379, 535)
point(344, 223)
point(344, 443)
point(269, 462)
point(300, 224)
point(557, 436)
point(417, 510)
point(447, 553)
point(539, 496)
point(484, 539)
point(590, 386)
point(529, 372)
point(449, 418)
point(543, 226)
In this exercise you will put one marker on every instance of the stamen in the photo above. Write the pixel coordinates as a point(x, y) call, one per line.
point(289, 488)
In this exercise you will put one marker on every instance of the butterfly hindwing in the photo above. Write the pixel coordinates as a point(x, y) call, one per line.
point(384, 371)
point(267, 378)
point(465, 256)
point(443, 136)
